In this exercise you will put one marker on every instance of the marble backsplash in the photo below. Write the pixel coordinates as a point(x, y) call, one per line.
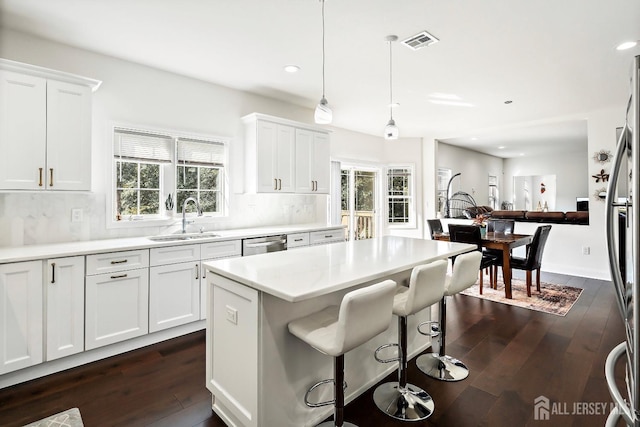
point(39, 218)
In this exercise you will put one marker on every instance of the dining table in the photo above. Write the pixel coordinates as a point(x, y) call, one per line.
point(503, 242)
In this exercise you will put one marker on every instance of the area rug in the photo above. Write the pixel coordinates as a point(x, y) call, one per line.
point(68, 418)
point(552, 298)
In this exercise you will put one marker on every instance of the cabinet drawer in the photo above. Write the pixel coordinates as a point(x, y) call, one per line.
point(175, 254)
point(221, 249)
point(297, 239)
point(117, 261)
point(326, 236)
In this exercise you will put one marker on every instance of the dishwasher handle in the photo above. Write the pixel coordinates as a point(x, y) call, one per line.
point(265, 244)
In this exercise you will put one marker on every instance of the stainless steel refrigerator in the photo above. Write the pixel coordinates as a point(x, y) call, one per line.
point(622, 221)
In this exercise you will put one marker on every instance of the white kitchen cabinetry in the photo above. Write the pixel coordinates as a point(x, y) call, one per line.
point(312, 162)
point(117, 301)
point(331, 235)
point(210, 252)
point(64, 296)
point(45, 128)
point(297, 240)
point(21, 315)
point(273, 163)
point(174, 286)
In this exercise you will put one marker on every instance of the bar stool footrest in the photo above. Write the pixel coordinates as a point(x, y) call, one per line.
point(382, 347)
point(434, 328)
point(315, 386)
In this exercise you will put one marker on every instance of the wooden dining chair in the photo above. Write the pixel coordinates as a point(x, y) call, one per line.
point(471, 234)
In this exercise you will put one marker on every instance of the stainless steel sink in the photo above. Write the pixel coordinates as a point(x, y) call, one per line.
point(182, 236)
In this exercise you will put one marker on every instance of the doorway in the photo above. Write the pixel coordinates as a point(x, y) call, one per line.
point(359, 202)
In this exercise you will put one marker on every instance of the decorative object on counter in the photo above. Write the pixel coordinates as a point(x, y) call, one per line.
point(604, 177)
point(600, 194)
point(391, 130)
point(323, 114)
point(602, 156)
point(553, 298)
point(169, 203)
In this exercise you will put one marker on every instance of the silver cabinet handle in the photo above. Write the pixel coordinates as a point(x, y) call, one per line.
point(275, 183)
point(53, 272)
point(279, 184)
point(119, 276)
point(197, 271)
point(261, 244)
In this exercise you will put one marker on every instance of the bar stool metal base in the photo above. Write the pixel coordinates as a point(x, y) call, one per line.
point(408, 404)
point(333, 424)
point(443, 368)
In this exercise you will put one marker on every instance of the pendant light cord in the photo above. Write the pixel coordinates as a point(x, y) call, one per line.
point(390, 82)
point(322, 48)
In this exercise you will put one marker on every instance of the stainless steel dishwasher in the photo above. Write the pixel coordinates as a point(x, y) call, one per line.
point(261, 245)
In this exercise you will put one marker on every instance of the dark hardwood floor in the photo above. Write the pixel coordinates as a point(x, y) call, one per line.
point(514, 356)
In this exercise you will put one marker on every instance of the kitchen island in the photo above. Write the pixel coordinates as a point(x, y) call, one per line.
point(256, 371)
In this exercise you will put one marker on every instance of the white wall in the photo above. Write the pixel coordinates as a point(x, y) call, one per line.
point(570, 169)
point(142, 96)
point(475, 168)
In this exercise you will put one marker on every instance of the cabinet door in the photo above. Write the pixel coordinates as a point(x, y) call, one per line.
point(21, 315)
point(23, 131)
point(68, 136)
point(321, 163)
point(274, 156)
point(203, 283)
point(312, 162)
point(65, 307)
point(174, 295)
point(285, 159)
point(117, 307)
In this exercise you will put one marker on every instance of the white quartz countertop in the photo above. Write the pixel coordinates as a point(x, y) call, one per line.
point(308, 272)
point(58, 250)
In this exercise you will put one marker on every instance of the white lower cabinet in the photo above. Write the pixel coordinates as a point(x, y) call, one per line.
point(174, 286)
point(117, 303)
point(211, 252)
point(331, 235)
point(64, 296)
point(20, 315)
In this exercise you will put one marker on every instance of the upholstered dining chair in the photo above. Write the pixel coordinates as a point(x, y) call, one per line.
point(533, 259)
point(505, 226)
point(435, 226)
point(471, 234)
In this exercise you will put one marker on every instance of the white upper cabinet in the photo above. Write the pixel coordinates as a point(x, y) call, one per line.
point(312, 162)
point(283, 156)
point(45, 128)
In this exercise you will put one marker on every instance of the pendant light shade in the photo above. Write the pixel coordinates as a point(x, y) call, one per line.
point(391, 131)
point(323, 114)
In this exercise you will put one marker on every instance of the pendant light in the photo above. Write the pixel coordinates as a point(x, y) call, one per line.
point(323, 114)
point(391, 130)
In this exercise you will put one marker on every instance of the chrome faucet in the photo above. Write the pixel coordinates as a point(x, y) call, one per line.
point(184, 212)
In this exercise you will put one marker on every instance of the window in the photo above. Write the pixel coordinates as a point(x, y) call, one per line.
point(400, 195)
point(494, 195)
point(154, 173)
point(444, 175)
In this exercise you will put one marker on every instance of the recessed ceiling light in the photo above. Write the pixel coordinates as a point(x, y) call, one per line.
point(291, 68)
point(522, 154)
point(626, 45)
point(452, 103)
point(473, 138)
point(394, 105)
point(446, 96)
point(508, 101)
point(501, 147)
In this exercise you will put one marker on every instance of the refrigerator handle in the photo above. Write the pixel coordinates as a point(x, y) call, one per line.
point(611, 204)
point(622, 408)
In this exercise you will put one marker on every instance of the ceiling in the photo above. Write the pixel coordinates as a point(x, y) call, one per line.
point(553, 59)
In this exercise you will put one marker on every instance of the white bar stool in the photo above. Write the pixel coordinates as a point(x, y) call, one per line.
point(399, 399)
point(363, 314)
point(439, 365)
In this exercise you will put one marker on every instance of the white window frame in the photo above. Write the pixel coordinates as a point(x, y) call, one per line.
point(168, 181)
point(411, 223)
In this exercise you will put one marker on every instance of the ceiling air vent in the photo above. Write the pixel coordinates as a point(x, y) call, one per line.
point(420, 40)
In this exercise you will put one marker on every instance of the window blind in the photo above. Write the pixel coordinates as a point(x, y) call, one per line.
point(140, 146)
point(195, 152)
